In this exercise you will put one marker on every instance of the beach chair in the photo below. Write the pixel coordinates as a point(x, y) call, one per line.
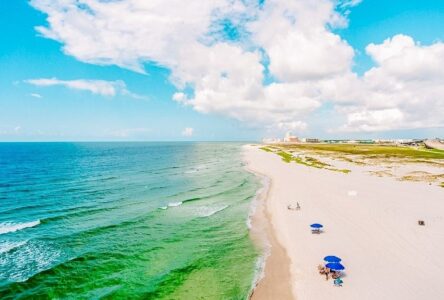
point(316, 228)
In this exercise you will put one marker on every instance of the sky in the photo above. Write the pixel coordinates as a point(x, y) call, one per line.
point(124, 70)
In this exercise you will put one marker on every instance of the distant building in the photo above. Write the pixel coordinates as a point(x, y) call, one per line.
point(289, 138)
point(366, 142)
point(309, 140)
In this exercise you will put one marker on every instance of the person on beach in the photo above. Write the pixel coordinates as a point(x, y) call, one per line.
point(338, 282)
point(327, 271)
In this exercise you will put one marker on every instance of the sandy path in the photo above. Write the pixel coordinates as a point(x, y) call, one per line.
point(375, 232)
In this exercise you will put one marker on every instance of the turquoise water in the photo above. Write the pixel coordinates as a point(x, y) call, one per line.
point(125, 221)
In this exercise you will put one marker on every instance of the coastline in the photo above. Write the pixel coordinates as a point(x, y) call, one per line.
point(273, 281)
point(370, 222)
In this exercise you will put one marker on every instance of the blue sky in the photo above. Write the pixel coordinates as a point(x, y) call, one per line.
point(33, 112)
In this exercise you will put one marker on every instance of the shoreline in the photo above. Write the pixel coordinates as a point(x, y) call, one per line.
point(272, 281)
point(370, 222)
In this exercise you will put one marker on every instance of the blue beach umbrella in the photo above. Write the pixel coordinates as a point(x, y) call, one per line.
point(332, 259)
point(335, 266)
point(316, 225)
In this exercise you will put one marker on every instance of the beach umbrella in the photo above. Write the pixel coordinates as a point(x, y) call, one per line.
point(332, 259)
point(335, 266)
point(316, 225)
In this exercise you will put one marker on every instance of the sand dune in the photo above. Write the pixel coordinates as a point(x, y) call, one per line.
point(370, 222)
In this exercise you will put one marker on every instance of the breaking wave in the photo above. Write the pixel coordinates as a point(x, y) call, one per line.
point(12, 227)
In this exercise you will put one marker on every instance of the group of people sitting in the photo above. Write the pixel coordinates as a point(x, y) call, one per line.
point(292, 207)
point(335, 275)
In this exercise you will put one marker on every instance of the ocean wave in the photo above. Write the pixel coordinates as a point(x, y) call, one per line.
point(258, 197)
point(219, 193)
point(197, 168)
point(206, 211)
point(19, 209)
point(259, 271)
point(12, 227)
point(171, 204)
point(8, 246)
point(28, 259)
point(77, 212)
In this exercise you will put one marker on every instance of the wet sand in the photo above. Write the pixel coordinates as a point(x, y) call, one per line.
point(276, 280)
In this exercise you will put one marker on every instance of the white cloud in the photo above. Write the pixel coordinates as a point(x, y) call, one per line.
point(293, 126)
point(348, 3)
point(297, 42)
point(35, 95)
point(188, 131)
point(98, 87)
point(374, 120)
point(291, 42)
point(405, 89)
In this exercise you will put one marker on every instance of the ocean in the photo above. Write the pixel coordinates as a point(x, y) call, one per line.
point(125, 221)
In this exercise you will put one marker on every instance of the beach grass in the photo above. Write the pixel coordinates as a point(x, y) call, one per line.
point(371, 150)
point(266, 149)
point(287, 157)
point(307, 161)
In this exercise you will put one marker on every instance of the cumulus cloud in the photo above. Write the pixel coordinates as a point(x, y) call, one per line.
point(404, 90)
point(348, 3)
point(282, 64)
point(297, 126)
point(98, 87)
point(188, 131)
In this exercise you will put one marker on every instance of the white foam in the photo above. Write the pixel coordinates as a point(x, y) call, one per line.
point(8, 246)
point(209, 211)
point(12, 227)
point(174, 204)
point(261, 192)
point(27, 260)
point(163, 207)
point(259, 272)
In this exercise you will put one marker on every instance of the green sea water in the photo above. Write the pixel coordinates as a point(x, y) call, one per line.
point(125, 221)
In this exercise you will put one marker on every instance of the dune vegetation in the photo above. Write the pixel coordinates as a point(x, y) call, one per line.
point(370, 150)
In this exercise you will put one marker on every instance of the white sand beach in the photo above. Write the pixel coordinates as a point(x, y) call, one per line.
point(370, 222)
